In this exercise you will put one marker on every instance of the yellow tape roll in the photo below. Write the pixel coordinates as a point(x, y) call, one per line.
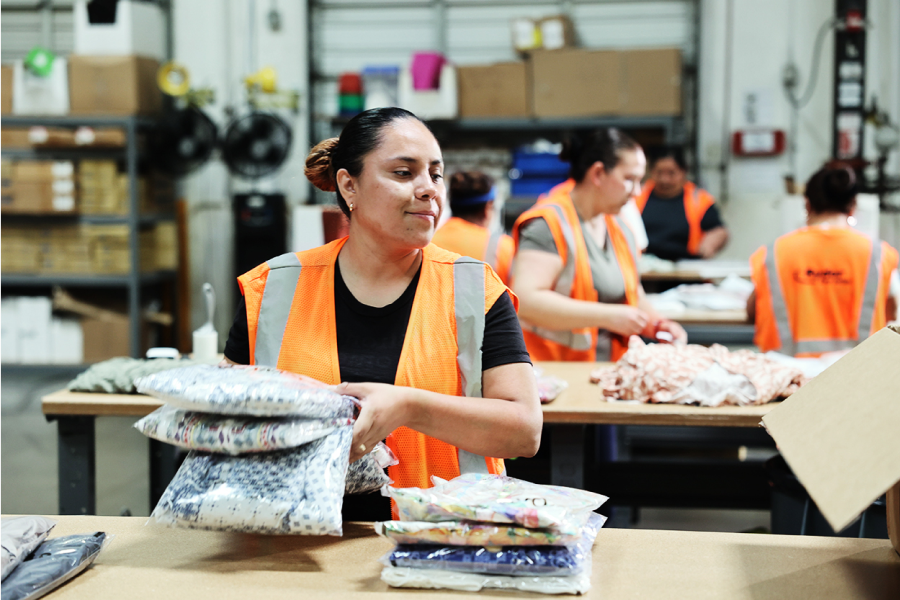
point(173, 79)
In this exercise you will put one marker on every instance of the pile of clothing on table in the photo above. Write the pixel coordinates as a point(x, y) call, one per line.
point(491, 531)
point(33, 566)
point(730, 294)
point(269, 450)
point(549, 386)
point(691, 374)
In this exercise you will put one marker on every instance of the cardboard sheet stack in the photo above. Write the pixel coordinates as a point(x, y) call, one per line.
point(269, 450)
point(491, 531)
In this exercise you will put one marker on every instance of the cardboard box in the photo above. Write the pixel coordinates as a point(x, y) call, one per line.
point(114, 85)
point(42, 171)
point(136, 28)
point(6, 89)
point(500, 90)
point(840, 433)
point(14, 138)
point(105, 338)
point(37, 95)
point(575, 83)
point(651, 82)
point(57, 197)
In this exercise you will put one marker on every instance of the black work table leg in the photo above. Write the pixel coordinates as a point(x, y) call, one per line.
point(77, 475)
point(567, 455)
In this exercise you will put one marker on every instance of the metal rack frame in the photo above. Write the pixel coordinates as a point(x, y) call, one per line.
point(135, 279)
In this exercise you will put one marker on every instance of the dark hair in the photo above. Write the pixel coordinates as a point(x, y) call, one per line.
point(673, 152)
point(603, 145)
point(832, 189)
point(360, 137)
point(465, 185)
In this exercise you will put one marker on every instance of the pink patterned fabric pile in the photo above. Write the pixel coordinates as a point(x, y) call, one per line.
point(666, 373)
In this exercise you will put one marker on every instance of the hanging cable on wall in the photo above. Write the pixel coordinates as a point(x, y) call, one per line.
point(790, 75)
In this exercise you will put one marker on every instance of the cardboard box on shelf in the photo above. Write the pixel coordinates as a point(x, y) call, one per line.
point(34, 329)
point(42, 171)
point(651, 82)
point(575, 83)
point(48, 197)
point(105, 326)
point(499, 90)
point(6, 92)
point(135, 28)
point(839, 433)
point(66, 341)
point(114, 85)
point(14, 138)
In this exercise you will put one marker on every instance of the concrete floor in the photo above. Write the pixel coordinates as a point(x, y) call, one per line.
point(29, 465)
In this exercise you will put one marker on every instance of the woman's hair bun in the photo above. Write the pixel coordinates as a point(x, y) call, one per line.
point(468, 184)
point(840, 181)
point(318, 169)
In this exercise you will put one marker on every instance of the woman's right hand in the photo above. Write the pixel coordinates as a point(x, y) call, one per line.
point(625, 320)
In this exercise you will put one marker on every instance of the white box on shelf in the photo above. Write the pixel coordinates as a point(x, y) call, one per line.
point(36, 95)
point(9, 331)
point(431, 104)
point(66, 341)
point(139, 28)
point(34, 329)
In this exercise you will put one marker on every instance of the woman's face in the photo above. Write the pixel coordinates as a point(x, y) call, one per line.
point(669, 177)
point(616, 186)
point(399, 195)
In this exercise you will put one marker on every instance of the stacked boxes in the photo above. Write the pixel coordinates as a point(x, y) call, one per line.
point(38, 187)
point(103, 190)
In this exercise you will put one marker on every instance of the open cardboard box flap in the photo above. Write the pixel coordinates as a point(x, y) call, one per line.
point(840, 433)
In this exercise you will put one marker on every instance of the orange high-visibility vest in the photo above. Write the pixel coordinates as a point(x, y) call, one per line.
point(820, 290)
point(468, 239)
point(576, 279)
point(696, 202)
point(291, 326)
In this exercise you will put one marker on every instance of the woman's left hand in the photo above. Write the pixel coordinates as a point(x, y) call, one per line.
point(384, 409)
point(679, 335)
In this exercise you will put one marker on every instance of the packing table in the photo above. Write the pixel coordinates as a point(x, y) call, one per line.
point(155, 562)
point(578, 406)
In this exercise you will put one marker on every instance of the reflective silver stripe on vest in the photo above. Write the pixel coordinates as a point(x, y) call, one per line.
point(468, 300)
point(275, 307)
point(822, 346)
point(564, 283)
point(490, 254)
point(870, 293)
point(779, 306)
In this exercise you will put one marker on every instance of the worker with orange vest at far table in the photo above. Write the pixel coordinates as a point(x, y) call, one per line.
point(824, 287)
point(575, 270)
point(681, 219)
point(428, 340)
point(468, 231)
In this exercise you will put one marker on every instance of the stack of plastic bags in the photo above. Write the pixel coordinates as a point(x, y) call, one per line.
point(490, 531)
point(269, 450)
point(33, 566)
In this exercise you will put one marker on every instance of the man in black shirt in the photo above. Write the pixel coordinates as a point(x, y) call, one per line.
point(682, 220)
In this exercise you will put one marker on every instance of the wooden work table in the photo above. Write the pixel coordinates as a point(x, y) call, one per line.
point(156, 562)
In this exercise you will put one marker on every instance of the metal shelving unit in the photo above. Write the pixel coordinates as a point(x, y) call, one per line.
point(135, 280)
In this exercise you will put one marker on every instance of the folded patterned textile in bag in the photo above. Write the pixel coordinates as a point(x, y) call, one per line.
point(508, 560)
point(471, 533)
point(246, 390)
point(437, 579)
point(296, 491)
point(367, 474)
point(497, 499)
point(234, 435)
point(20, 536)
point(691, 374)
point(52, 564)
point(549, 386)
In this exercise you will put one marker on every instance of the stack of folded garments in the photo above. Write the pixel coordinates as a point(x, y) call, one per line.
point(491, 531)
point(269, 450)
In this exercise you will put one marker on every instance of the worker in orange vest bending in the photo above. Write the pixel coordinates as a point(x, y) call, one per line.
point(468, 231)
point(428, 340)
point(681, 219)
point(576, 261)
point(824, 287)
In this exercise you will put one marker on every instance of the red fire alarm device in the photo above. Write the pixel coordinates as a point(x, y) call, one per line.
point(757, 142)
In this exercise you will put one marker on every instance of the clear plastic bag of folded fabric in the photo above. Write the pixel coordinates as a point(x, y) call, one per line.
point(21, 535)
point(549, 386)
point(367, 474)
point(234, 434)
point(53, 563)
point(497, 499)
point(470, 533)
point(296, 491)
point(535, 561)
point(435, 579)
point(246, 390)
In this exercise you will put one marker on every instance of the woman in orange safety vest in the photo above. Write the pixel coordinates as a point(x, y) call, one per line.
point(576, 261)
point(468, 231)
point(426, 339)
point(681, 219)
point(824, 287)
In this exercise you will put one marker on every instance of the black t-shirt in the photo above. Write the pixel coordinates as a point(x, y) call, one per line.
point(667, 226)
point(370, 339)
